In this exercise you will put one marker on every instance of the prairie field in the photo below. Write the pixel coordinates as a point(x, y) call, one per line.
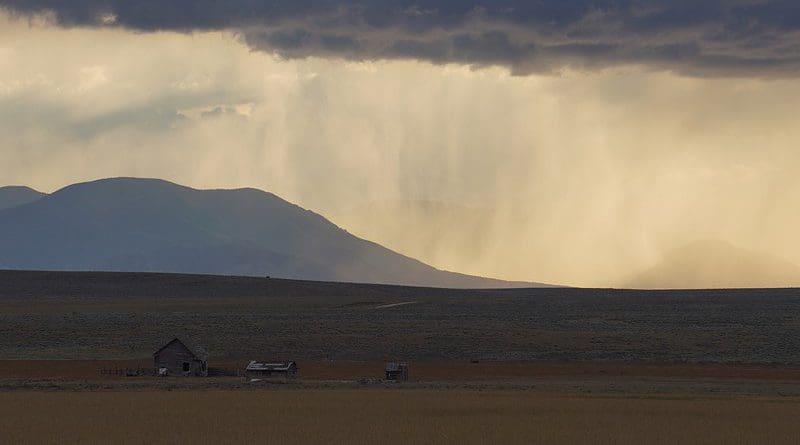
point(519, 366)
point(51, 315)
point(388, 416)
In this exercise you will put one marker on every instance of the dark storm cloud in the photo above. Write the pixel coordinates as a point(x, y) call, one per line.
point(703, 38)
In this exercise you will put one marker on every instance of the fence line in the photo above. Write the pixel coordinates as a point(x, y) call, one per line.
point(128, 372)
point(151, 372)
point(225, 372)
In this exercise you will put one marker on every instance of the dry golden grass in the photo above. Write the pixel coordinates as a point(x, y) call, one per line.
point(388, 416)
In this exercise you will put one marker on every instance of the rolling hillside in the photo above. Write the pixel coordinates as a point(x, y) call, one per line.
point(150, 225)
point(13, 196)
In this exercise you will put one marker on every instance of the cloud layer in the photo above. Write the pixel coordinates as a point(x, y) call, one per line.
point(701, 38)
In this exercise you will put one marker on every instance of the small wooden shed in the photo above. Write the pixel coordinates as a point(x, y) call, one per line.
point(397, 371)
point(269, 369)
point(181, 356)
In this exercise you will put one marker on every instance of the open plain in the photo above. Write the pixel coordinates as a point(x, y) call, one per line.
point(386, 416)
point(551, 365)
point(51, 315)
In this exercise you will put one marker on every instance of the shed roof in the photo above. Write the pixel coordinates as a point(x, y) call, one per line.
point(193, 347)
point(269, 366)
point(395, 367)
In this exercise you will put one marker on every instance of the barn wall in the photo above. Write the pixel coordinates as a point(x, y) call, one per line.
point(174, 355)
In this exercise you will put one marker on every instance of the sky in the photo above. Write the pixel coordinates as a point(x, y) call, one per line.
point(590, 137)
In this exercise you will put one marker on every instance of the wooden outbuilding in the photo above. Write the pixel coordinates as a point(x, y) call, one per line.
point(397, 371)
point(181, 356)
point(257, 369)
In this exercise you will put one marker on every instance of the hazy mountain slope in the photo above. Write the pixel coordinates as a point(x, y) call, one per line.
point(153, 225)
point(441, 230)
point(715, 264)
point(13, 196)
point(472, 239)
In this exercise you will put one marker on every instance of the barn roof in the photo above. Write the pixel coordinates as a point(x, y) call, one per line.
point(193, 347)
point(269, 366)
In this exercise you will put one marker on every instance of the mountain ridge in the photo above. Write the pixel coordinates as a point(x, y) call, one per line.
point(152, 225)
point(15, 195)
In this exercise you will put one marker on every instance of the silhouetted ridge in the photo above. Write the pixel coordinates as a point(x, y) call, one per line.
point(13, 196)
point(151, 225)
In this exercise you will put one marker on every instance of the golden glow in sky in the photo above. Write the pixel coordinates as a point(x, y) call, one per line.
point(579, 177)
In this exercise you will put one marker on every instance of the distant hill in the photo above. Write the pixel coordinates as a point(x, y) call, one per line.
point(13, 196)
point(716, 264)
point(150, 225)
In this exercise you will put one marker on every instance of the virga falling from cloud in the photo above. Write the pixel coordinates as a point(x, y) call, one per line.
point(585, 177)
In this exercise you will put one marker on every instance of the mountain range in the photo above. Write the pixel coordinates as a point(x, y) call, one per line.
point(151, 225)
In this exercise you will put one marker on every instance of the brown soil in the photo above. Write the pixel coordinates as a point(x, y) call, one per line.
point(427, 371)
point(388, 417)
point(64, 369)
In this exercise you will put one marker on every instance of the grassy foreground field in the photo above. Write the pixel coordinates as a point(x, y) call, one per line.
point(491, 366)
point(388, 416)
point(56, 315)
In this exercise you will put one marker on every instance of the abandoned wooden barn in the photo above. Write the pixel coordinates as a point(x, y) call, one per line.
point(270, 369)
point(397, 371)
point(181, 356)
